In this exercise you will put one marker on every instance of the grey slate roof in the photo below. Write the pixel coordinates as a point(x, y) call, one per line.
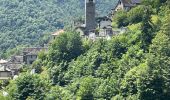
point(130, 3)
point(34, 50)
point(16, 59)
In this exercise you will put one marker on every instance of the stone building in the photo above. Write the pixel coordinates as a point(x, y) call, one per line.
point(125, 5)
point(31, 54)
point(104, 27)
point(5, 73)
point(15, 68)
point(81, 29)
point(10, 68)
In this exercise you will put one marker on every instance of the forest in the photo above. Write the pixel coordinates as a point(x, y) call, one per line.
point(26, 23)
point(131, 66)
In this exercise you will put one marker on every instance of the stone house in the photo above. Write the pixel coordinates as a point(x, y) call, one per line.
point(81, 30)
point(31, 54)
point(15, 68)
point(104, 27)
point(125, 5)
point(5, 73)
point(10, 68)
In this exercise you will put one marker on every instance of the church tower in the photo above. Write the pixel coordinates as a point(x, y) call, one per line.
point(90, 15)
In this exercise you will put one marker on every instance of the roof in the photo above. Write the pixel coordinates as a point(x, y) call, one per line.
point(14, 66)
point(81, 27)
point(16, 59)
point(4, 69)
point(130, 3)
point(34, 50)
point(105, 24)
point(58, 32)
point(104, 18)
point(3, 61)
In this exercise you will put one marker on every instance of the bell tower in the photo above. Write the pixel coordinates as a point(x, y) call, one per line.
point(90, 15)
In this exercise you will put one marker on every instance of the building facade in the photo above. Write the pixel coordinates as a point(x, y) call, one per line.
point(31, 54)
point(5, 73)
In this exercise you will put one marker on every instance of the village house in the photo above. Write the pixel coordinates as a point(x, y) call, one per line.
point(10, 68)
point(5, 73)
point(124, 5)
point(31, 54)
point(15, 68)
point(104, 27)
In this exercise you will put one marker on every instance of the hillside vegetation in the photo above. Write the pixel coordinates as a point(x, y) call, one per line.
point(29, 22)
point(131, 66)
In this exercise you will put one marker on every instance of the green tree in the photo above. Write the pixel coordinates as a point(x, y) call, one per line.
point(85, 91)
point(28, 86)
point(65, 47)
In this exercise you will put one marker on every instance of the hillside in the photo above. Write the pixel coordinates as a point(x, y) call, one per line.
point(134, 65)
point(28, 22)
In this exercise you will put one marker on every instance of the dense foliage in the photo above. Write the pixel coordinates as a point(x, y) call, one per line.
point(131, 66)
point(29, 22)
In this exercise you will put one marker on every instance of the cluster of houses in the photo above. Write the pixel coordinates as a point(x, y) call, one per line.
point(10, 68)
point(92, 28)
point(101, 27)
